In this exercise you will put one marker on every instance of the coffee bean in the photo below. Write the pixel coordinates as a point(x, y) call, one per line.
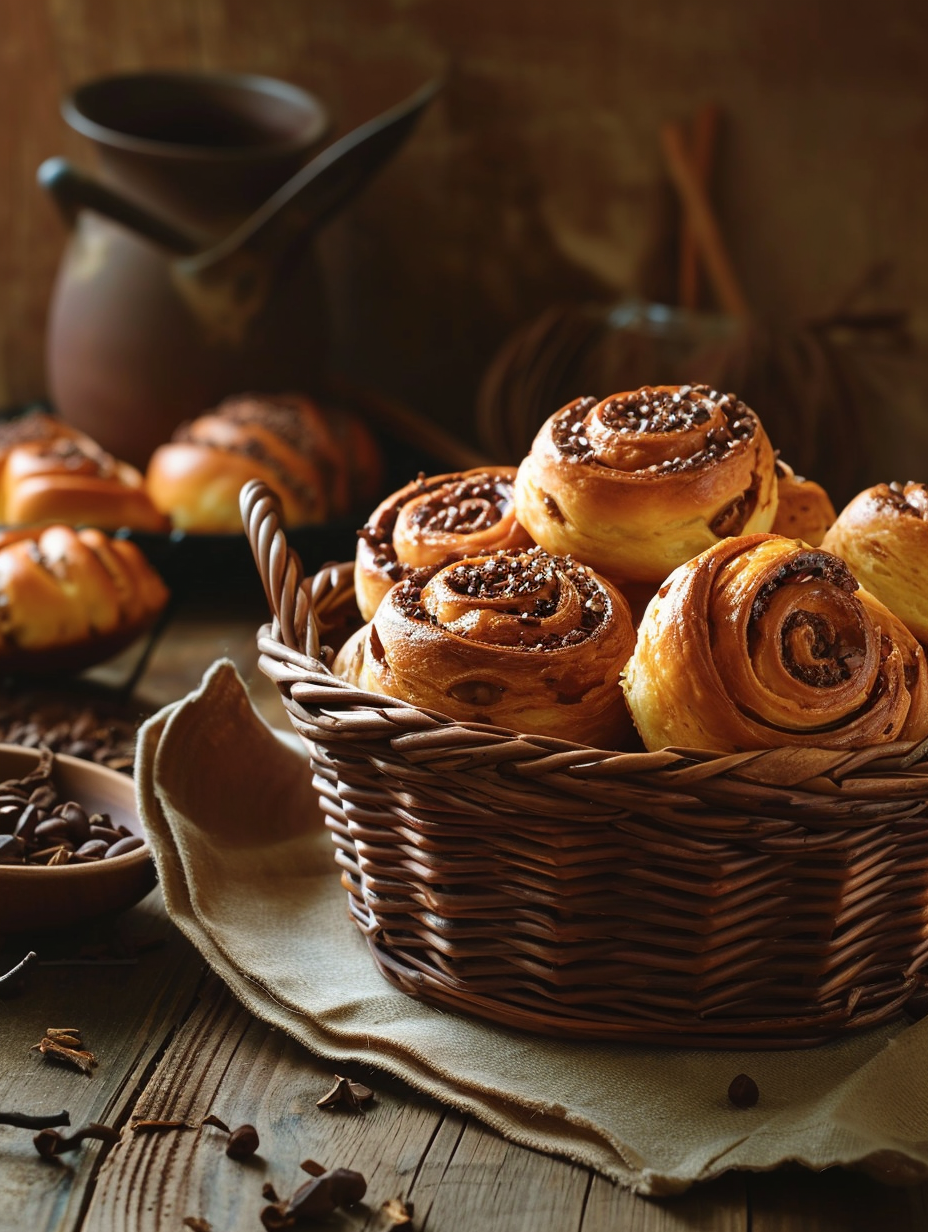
point(94, 849)
point(51, 830)
point(12, 849)
point(132, 843)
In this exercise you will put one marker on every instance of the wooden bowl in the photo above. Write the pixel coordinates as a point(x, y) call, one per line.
point(34, 897)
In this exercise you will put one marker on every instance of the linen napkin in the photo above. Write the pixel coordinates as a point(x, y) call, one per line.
point(248, 875)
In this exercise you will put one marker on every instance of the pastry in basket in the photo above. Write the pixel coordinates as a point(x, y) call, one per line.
point(804, 508)
point(431, 522)
point(763, 641)
point(285, 440)
point(883, 536)
point(641, 482)
point(70, 598)
point(52, 473)
point(518, 639)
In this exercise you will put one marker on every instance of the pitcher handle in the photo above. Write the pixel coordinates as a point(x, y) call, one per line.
point(73, 191)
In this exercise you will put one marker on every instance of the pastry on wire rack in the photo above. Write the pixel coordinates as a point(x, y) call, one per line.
point(70, 598)
point(319, 467)
point(50, 472)
point(763, 641)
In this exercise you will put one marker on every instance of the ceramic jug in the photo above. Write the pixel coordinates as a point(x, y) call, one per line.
point(191, 272)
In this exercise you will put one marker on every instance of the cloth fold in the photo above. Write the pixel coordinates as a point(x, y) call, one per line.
point(248, 875)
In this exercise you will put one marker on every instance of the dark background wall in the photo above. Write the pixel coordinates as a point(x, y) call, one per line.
point(537, 175)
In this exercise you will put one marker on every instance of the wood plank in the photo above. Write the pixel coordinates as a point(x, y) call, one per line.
point(473, 1179)
point(718, 1206)
point(225, 1062)
point(837, 1200)
point(126, 1001)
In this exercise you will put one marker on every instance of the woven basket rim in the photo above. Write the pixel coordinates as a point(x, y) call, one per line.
point(899, 754)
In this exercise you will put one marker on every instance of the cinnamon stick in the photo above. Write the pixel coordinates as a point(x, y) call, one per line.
point(702, 152)
point(702, 219)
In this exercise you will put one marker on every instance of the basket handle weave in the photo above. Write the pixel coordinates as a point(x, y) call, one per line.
point(280, 569)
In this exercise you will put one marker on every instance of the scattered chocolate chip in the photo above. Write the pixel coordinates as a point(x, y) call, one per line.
point(243, 1142)
point(743, 1092)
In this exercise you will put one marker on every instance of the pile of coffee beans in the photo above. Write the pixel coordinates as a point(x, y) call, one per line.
point(82, 728)
point(37, 827)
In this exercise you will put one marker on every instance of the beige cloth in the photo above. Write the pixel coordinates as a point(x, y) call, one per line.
point(247, 872)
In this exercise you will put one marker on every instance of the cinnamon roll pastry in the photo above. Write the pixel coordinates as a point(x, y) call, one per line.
point(431, 522)
point(641, 482)
point(762, 641)
point(522, 640)
point(804, 508)
point(883, 536)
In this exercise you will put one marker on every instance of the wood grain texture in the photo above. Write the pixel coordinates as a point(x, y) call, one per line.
point(456, 1173)
point(126, 1002)
point(535, 178)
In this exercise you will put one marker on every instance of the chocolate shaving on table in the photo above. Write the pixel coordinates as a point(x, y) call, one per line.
point(346, 1094)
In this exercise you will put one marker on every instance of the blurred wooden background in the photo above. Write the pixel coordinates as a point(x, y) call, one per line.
point(537, 175)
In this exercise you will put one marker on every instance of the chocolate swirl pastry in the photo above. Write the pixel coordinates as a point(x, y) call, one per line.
point(522, 640)
point(762, 641)
point(284, 439)
point(431, 522)
point(804, 508)
point(883, 536)
point(641, 482)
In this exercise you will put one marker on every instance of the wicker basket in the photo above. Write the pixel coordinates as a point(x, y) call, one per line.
point(760, 900)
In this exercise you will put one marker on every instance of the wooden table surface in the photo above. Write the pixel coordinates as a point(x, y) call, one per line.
point(173, 1044)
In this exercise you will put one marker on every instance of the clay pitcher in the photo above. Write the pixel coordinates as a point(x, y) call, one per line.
point(191, 272)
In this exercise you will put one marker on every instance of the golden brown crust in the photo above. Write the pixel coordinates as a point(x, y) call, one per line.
point(643, 481)
point(520, 640)
point(284, 440)
point(883, 536)
point(804, 508)
point(67, 478)
point(762, 641)
point(37, 425)
point(433, 521)
point(69, 598)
